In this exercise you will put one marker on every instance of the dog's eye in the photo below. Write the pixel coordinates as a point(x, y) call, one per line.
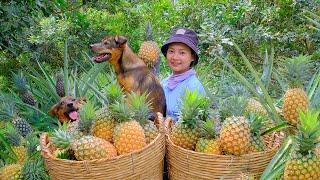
point(73, 99)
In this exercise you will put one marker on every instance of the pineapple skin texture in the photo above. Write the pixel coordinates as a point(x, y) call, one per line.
point(129, 136)
point(149, 53)
point(185, 137)
point(306, 167)
point(255, 107)
point(103, 126)
point(210, 146)
point(256, 144)
point(150, 131)
point(235, 135)
point(90, 147)
point(11, 172)
point(294, 100)
point(21, 153)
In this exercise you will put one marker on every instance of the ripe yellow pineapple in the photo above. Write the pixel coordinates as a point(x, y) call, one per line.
point(187, 130)
point(295, 98)
point(304, 164)
point(17, 144)
point(104, 123)
point(209, 143)
point(128, 135)
point(149, 51)
point(235, 135)
point(21, 153)
point(11, 172)
point(255, 106)
point(90, 147)
point(86, 148)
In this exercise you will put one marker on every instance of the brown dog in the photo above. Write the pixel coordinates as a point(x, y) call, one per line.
point(67, 109)
point(132, 73)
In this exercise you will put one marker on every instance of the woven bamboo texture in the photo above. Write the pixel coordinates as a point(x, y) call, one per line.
point(190, 165)
point(146, 163)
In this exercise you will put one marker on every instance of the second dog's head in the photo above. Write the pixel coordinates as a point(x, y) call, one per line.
point(67, 108)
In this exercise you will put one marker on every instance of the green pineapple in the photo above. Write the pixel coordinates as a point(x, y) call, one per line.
point(60, 85)
point(21, 85)
point(304, 164)
point(194, 111)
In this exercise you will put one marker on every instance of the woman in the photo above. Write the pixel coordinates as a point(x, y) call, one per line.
point(181, 52)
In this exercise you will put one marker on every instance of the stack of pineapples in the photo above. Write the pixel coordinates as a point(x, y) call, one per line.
point(119, 128)
point(240, 132)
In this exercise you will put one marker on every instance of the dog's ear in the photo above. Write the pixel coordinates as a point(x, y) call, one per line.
point(54, 109)
point(121, 40)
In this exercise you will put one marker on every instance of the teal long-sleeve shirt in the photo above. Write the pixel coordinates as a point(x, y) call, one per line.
point(173, 97)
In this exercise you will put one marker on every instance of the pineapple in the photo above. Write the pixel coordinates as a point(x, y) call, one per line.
point(15, 139)
point(60, 85)
point(21, 85)
point(141, 110)
point(187, 131)
point(255, 106)
point(209, 144)
point(128, 135)
point(86, 148)
point(90, 147)
point(149, 50)
point(11, 172)
point(22, 126)
point(235, 131)
point(295, 98)
point(304, 164)
point(104, 123)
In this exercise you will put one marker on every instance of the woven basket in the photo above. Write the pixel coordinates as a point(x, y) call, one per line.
point(189, 165)
point(146, 163)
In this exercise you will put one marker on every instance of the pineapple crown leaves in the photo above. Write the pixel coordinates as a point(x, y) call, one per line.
point(34, 170)
point(297, 70)
point(195, 108)
point(256, 122)
point(114, 93)
point(61, 138)
point(8, 110)
point(87, 115)
point(20, 81)
point(12, 135)
point(209, 129)
point(120, 111)
point(139, 106)
point(148, 29)
point(233, 106)
point(309, 130)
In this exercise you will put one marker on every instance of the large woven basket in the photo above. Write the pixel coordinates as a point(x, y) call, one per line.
point(189, 165)
point(146, 163)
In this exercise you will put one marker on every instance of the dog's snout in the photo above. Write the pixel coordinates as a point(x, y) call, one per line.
point(70, 105)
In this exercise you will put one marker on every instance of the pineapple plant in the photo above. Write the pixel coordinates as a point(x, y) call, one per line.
point(17, 145)
point(149, 51)
point(104, 123)
point(303, 163)
point(60, 85)
point(128, 135)
point(295, 98)
point(194, 111)
point(235, 131)
point(11, 172)
point(20, 83)
point(209, 143)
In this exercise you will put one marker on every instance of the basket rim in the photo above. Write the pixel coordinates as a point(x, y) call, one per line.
point(47, 153)
point(216, 155)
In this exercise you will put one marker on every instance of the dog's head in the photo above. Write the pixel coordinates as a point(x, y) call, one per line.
point(109, 49)
point(67, 108)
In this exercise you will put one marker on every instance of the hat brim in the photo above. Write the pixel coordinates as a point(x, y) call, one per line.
point(183, 40)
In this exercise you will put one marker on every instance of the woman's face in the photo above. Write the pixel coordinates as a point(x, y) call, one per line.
point(179, 57)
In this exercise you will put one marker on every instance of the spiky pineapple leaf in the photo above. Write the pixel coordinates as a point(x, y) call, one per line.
point(35, 170)
point(139, 106)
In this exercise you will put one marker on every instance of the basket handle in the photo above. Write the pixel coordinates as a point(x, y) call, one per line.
point(43, 144)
